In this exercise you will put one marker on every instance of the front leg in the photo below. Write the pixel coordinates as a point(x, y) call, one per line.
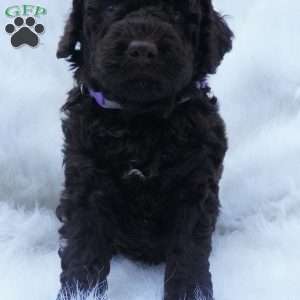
point(187, 275)
point(87, 230)
point(85, 254)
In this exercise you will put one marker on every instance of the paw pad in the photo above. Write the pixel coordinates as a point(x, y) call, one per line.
point(24, 32)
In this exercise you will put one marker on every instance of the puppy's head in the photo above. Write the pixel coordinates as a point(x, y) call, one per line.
point(144, 50)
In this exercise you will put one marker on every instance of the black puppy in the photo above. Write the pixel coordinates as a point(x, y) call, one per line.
point(144, 143)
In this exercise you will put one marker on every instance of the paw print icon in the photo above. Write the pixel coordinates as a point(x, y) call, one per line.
point(24, 32)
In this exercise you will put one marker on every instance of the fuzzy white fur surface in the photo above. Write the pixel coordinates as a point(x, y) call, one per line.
point(256, 250)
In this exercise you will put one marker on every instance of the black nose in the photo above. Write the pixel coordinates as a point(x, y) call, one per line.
point(142, 50)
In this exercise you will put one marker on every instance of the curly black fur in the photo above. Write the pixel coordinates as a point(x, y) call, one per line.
point(142, 181)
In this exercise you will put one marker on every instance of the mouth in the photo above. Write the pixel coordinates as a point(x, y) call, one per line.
point(147, 89)
point(142, 84)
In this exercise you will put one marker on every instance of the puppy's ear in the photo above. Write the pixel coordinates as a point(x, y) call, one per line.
point(220, 39)
point(72, 31)
point(215, 39)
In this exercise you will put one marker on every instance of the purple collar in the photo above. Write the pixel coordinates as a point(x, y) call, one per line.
point(108, 104)
point(103, 102)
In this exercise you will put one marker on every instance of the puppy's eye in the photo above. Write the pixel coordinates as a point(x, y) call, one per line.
point(177, 16)
point(111, 9)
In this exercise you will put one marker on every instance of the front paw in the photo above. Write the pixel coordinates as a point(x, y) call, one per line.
point(75, 292)
point(189, 295)
point(204, 294)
